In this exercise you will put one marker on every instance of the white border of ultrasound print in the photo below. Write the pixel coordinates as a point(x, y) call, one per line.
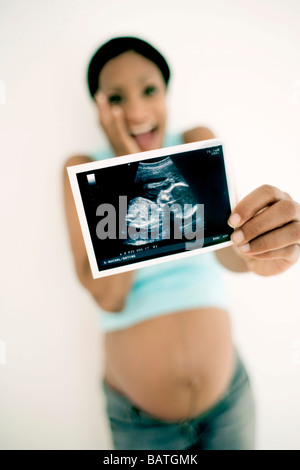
point(141, 156)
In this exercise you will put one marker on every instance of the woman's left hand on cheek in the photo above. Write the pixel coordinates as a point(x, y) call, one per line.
point(267, 230)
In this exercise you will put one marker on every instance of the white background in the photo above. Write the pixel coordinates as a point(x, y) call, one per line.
point(236, 69)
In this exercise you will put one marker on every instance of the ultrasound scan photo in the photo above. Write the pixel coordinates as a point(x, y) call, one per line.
point(136, 210)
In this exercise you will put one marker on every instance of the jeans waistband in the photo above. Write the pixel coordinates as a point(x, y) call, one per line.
point(119, 404)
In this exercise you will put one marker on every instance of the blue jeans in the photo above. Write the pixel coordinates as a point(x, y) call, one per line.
point(228, 425)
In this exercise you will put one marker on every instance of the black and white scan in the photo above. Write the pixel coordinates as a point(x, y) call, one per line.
point(151, 208)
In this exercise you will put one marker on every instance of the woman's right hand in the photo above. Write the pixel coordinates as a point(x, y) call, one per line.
point(113, 122)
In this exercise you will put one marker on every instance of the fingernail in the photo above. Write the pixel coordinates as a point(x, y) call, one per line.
point(244, 248)
point(234, 220)
point(237, 237)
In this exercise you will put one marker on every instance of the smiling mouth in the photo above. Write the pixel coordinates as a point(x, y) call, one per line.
point(145, 139)
point(142, 131)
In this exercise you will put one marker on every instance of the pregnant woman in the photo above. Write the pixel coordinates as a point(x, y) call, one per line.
point(173, 378)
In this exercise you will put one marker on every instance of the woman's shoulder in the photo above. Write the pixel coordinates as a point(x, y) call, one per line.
point(74, 160)
point(93, 155)
point(191, 135)
point(77, 160)
point(198, 133)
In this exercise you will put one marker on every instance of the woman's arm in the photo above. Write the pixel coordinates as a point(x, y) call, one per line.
point(231, 260)
point(109, 292)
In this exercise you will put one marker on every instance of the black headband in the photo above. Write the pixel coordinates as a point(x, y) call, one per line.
point(117, 46)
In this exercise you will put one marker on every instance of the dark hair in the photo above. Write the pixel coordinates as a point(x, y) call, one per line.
point(117, 46)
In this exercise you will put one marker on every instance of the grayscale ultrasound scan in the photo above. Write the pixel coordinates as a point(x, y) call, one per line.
point(136, 210)
point(163, 188)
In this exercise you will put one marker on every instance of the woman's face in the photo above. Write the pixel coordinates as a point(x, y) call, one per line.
point(136, 84)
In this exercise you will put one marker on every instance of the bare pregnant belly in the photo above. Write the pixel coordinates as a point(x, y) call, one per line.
point(174, 366)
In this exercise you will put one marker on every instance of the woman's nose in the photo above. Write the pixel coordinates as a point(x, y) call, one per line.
point(136, 112)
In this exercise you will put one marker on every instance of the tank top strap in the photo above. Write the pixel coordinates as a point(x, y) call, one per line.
point(173, 139)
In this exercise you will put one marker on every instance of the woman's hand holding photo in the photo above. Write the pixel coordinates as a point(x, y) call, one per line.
point(267, 230)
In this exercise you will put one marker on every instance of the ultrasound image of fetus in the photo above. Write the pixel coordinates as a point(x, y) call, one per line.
point(163, 196)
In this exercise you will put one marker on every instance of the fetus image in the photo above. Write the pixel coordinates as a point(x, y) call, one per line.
point(164, 203)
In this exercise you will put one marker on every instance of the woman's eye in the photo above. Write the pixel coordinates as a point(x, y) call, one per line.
point(115, 99)
point(150, 90)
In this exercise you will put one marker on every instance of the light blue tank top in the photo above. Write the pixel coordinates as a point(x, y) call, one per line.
point(173, 286)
